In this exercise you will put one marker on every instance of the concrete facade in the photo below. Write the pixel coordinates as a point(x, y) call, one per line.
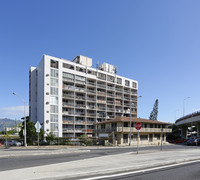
point(189, 122)
point(69, 97)
point(119, 129)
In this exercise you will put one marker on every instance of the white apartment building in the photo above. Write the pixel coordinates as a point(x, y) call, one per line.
point(69, 97)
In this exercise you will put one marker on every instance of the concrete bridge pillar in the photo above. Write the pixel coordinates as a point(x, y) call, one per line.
point(198, 129)
point(184, 131)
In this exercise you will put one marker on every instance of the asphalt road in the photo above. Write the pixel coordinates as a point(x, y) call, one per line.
point(182, 172)
point(10, 163)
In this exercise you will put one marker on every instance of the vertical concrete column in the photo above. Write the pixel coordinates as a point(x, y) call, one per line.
point(184, 131)
point(198, 129)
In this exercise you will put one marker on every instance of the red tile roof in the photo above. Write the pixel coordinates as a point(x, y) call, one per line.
point(127, 119)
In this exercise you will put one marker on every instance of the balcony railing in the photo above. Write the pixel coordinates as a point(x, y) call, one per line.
point(111, 88)
point(90, 83)
point(127, 129)
point(80, 122)
point(68, 130)
point(68, 105)
point(91, 91)
point(68, 122)
point(101, 101)
point(68, 113)
point(101, 86)
point(117, 89)
point(91, 99)
point(68, 96)
point(80, 89)
point(80, 97)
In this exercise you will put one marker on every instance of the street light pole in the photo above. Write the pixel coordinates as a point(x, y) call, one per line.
point(25, 145)
point(184, 105)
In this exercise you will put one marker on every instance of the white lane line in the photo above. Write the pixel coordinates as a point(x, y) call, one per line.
point(139, 171)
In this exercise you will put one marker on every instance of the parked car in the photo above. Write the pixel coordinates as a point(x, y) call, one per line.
point(197, 141)
point(13, 143)
point(191, 142)
point(179, 141)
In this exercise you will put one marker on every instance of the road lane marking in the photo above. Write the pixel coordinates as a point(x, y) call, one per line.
point(141, 171)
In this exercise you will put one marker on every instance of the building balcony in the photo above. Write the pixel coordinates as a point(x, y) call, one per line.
point(111, 88)
point(91, 92)
point(68, 113)
point(79, 89)
point(68, 105)
point(90, 122)
point(91, 115)
point(91, 99)
point(80, 122)
point(91, 84)
point(71, 88)
point(68, 96)
point(80, 98)
point(101, 101)
point(68, 130)
point(120, 90)
point(101, 86)
point(80, 106)
point(68, 79)
point(133, 129)
point(68, 122)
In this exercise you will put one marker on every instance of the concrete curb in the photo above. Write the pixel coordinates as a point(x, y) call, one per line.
point(55, 152)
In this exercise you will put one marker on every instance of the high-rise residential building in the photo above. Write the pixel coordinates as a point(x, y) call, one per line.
point(69, 97)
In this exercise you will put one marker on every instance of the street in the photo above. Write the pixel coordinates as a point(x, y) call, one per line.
point(182, 172)
point(10, 163)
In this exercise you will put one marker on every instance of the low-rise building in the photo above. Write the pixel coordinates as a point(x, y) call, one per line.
point(119, 130)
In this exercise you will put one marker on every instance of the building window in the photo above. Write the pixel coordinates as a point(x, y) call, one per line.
point(101, 76)
point(53, 127)
point(54, 64)
point(92, 72)
point(157, 136)
point(151, 125)
point(80, 69)
point(125, 124)
point(119, 81)
point(54, 73)
point(80, 78)
point(127, 83)
point(134, 85)
point(110, 78)
point(54, 91)
point(53, 118)
point(103, 126)
point(54, 100)
point(143, 137)
point(53, 109)
point(54, 82)
point(68, 66)
point(68, 76)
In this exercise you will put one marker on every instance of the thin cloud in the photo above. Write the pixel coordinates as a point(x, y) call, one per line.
point(13, 112)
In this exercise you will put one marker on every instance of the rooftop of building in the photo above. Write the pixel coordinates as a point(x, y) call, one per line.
point(127, 119)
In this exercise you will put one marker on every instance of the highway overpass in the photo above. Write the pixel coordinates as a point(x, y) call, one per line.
point(189, 120)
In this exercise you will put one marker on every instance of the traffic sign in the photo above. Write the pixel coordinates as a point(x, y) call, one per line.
point(37, 126)
point(138, 125)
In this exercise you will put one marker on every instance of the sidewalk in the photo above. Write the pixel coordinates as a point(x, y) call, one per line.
point(102, 165)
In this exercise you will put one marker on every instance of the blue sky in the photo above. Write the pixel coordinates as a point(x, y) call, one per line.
point(154, 42)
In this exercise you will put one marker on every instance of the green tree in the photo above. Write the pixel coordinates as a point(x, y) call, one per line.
point(50, 138)
point(31, 134)
point(154, 112)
